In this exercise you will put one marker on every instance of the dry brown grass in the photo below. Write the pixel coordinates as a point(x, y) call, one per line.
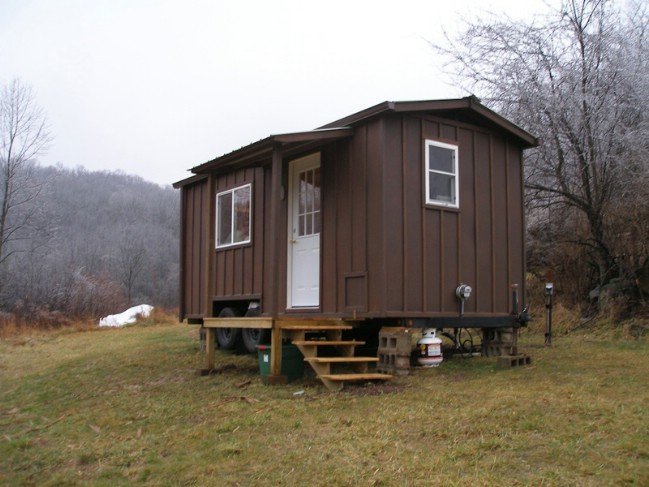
point(48, 322)
point(125, 407)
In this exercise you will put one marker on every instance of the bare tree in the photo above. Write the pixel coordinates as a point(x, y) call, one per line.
point(23, 137)
point(577, 79)
point(130, 259)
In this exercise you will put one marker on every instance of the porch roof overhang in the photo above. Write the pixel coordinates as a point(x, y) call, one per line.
point(263, 149)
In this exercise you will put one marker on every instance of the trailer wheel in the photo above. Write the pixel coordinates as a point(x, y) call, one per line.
point(254, 336)
point(228, 338)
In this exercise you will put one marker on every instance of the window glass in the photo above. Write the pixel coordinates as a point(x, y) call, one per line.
point(316, 191)
point(442, 187)
point(441, 174)
point(441, 159)
point(308, 216)
point(302, 191)
point(233, 216)
point(302, 225)
point(241, 215)
point(316, 222)
point(224, 231)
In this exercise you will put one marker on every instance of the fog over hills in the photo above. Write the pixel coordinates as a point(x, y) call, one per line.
point(99, 241)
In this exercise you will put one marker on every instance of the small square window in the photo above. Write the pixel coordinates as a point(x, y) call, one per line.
point(441, 174)
point(233, 216)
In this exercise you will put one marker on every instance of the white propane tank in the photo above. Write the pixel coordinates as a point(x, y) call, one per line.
point(430, 349)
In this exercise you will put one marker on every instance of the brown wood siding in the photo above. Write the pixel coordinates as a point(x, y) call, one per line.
point(239, 271)
point(351, 205)
point(266, 278)
point(193, 255)
point(414, 294)
point(383, 251)
point(393, 214)
point(376, 286)
point(425, 252)
point(483, 283)
point(467, 229)
point(500, 224)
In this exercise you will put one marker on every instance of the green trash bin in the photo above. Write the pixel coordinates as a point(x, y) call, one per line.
point(292, 361)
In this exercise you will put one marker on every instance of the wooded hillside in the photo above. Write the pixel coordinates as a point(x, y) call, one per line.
point(100, 241)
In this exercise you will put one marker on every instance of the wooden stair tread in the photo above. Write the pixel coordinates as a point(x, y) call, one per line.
point(355, 377)
point(298, 327)
point(331, 360)
point(325, 343)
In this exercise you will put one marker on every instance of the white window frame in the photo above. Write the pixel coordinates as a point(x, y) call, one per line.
point(216, 232)
point(428, 170)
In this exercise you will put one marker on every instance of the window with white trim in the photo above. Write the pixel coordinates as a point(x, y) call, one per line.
point(233, 210)
point(441, 174)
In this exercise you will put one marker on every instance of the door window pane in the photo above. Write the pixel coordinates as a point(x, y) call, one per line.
point(308, 211)
point(316, 189)
point(301, 227)
point(316, 223)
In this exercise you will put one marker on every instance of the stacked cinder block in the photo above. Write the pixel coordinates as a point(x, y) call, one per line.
point(498, 342)
point(395, 347)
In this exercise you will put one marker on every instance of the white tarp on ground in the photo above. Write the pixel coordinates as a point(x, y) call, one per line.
point(127, 317)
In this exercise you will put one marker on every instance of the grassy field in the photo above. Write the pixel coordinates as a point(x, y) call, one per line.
point(118, 407)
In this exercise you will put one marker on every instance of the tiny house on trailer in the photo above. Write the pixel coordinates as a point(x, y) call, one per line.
point(405, 213)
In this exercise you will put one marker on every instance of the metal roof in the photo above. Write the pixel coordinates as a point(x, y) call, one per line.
point(469, 107)
point(263, 148)
point(468, 104)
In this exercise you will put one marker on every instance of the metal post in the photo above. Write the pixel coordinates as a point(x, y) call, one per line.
point(515, 299)
point(549, 290)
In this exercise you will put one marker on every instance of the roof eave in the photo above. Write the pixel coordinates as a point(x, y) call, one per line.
point(190, 180)
point(469, 102)
point(263, 148)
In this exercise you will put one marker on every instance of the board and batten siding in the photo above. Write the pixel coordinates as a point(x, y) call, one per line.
point(238, 271)
point(429, 250)
point(193, 206)
point(384, 252)
point(351, 190)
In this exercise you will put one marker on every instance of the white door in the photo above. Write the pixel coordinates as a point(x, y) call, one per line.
point(304, 223)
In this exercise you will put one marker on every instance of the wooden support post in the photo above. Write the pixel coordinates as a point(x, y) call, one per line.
point(276, 376)
point(210, 340)
point(270, 300)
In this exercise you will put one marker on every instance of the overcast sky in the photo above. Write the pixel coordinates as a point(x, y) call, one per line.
point(156, 87)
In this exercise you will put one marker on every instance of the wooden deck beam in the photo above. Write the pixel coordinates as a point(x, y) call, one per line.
point(238, 322)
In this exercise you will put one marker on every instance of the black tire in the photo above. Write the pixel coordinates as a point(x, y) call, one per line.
point(254, 336)
point(228, 338)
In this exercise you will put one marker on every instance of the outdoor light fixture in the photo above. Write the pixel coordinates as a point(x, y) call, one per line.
point(549, 291)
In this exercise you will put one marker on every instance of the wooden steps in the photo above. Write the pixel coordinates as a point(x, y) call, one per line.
point(329, 355)
point(356, 377)
point(341, 360)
